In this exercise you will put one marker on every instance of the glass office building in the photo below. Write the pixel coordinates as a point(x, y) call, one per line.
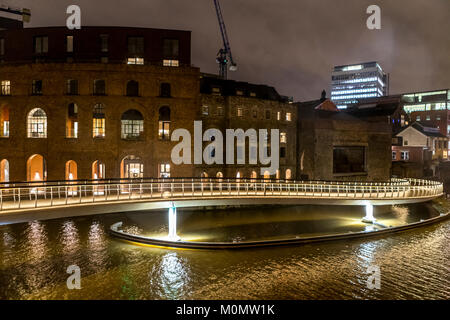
point(352, 83)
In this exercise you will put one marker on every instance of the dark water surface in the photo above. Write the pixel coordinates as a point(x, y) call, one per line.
point(414, 265)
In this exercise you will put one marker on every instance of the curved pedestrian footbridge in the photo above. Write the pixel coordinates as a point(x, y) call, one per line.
point(55, 199)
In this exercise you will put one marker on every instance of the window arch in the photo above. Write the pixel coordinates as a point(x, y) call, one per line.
point(98, 170)
point(164, 123)
point(131, 167)
point(72, 121)
point(37, 123)
point(98, 121)
point(4, 121)
point(4, 170)
point(99, 87)
point(132, 125)
point(132, 88)
point(36, 168)
point(288, 174)
point(165, 90)
point(71, 170)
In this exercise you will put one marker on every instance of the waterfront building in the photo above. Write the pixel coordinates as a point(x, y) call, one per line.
point(336, 145)
point(352, 83)
point(102, 102)
point(418, 151)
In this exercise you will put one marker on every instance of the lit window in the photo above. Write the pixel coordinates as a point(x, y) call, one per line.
point(72, 121)
point(164, 123)
point(6, 88)
point(171, 63)
point(239, 92)
point(240, 112)
point(69, 44)
point(438, 117)
point(132, 125)
point(135, 60)
point(404, 155)
point(288, 116)
point(36, 87)
point(205, 110)
point(283, 138)
point(40, 45)
point(164, 170)
point(216, 90)
point(428, 117)
point(279, 115)
point(98, 121)
point(418, 118)
point(252, 94)
point(4, 122)
point(37, 124)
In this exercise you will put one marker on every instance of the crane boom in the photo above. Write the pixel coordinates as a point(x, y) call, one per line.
point(224, 55)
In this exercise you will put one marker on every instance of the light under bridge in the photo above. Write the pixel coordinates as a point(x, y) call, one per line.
point(55, 199)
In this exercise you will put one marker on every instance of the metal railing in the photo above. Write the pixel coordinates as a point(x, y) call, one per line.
point(62, 193)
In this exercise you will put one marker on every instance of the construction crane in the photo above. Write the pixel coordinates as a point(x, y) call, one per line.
point(224, 56)
point(25, 13)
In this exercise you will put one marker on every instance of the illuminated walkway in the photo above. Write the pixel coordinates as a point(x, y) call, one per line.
point(159, 193)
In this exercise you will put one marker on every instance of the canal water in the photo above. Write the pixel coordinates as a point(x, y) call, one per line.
point(413, 265)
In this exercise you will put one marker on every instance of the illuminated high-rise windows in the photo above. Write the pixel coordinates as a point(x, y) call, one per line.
point(351, 83)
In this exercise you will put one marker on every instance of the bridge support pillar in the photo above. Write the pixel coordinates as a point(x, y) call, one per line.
point(369, 218)
point(173, 224)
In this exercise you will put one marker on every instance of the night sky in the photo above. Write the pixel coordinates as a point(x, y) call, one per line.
point(290, 44)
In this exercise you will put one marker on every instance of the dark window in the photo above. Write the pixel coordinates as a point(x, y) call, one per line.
point(40, 45)
point(267, 114)
point(171, 48)
point(136, 45)
point(165, 90)
point(349, 160)
point(2, 46)
point(283, 152)
point(99, 87)
point(72, 87)
point(132, 88)
point(104, 39)
point(69, 44)
point(36, 87)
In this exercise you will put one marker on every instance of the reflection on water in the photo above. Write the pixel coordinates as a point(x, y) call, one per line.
point(414, 265)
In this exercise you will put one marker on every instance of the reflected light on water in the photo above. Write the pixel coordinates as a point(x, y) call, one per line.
point(70, 238)
point(37, 240)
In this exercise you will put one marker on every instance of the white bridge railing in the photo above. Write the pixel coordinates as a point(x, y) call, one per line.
point(60, 193)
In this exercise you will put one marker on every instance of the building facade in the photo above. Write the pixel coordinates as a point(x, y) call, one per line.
point(103, 102)
point(352, 83)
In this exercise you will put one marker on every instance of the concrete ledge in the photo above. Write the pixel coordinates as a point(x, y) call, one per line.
point(115, 232)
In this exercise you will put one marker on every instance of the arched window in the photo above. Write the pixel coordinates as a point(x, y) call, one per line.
point(165, 90)
point(164, 123)
point(4, 170)
point(204, 175)
point(266, 175)
point(131, 167)
point(72, 121)
point(132, 88)
point(132, 125)
point(98, 121)
point(238, 175)
point(219, 175)
point(254, 175)
point(98, 170)
point(71, 170)
point(4, 122)
point(37, 124)
point(36, 168)
point(288, 174)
